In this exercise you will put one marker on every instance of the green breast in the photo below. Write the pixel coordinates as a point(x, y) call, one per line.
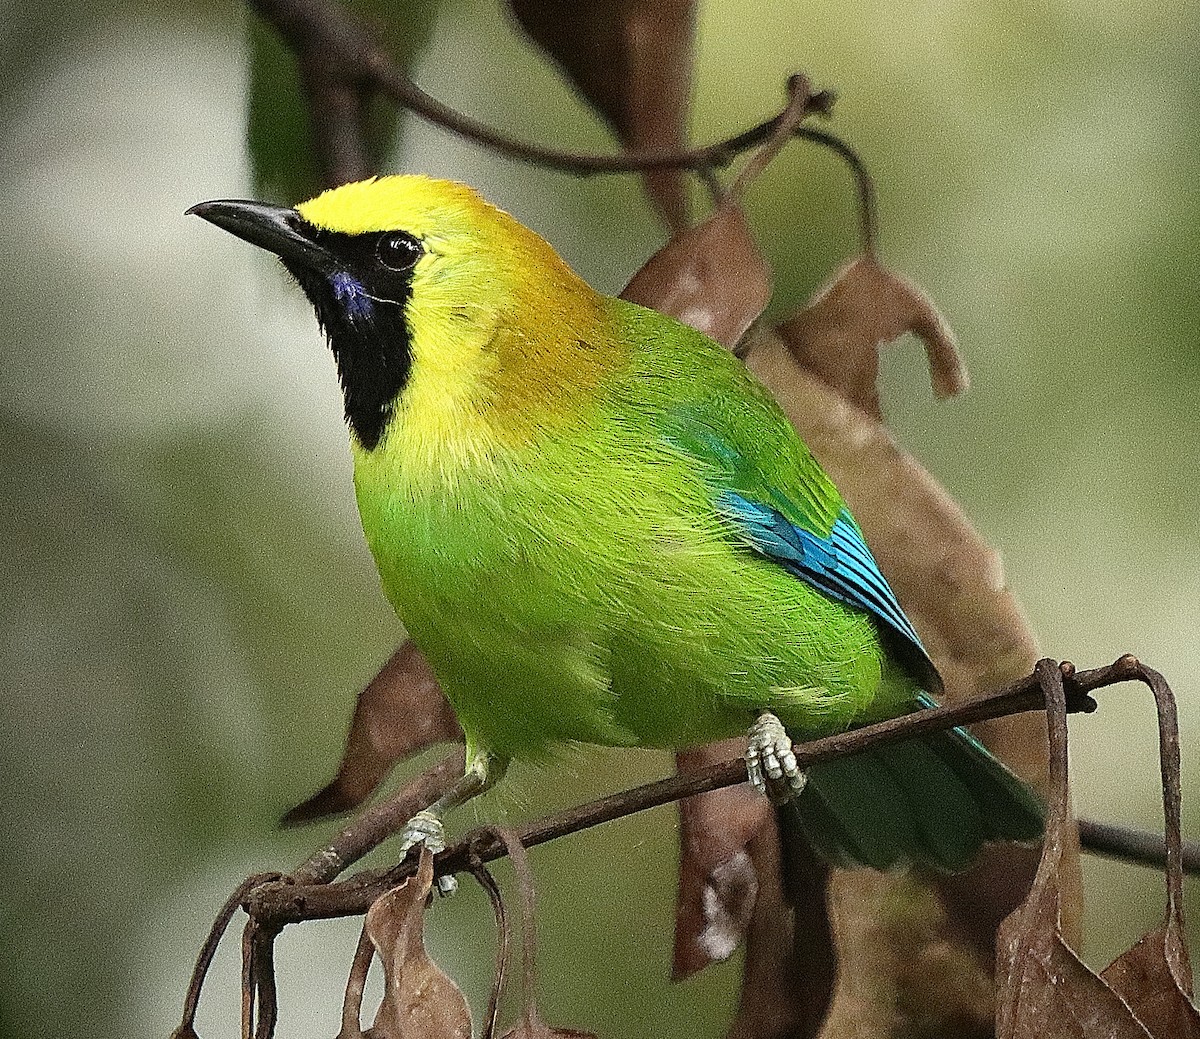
point(584, 589)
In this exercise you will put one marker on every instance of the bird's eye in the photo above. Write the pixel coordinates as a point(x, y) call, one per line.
point(399, 251)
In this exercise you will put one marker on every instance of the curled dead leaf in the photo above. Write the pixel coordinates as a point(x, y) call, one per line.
point(420, 1001)
point(718, 882)
point(400, 712)
point(1155, 976)
point(948, 579)
point(863, 307)
point(1154, 979)
point(632, 61)
point(711, 276)
point(790, 968)
point(951, 584)
point(1043, 989)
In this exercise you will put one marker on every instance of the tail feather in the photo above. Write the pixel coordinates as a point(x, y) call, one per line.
point(948, 818)
point(849, 791)
point(931, 801)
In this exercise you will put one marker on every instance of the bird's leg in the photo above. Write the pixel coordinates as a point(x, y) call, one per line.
point(770, 764)
point(483, 771)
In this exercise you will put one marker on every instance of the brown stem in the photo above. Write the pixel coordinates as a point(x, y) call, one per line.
point(379, 822)
point(272, 904)
point(191, 1000)
point(326, 35)
point(280, 904)
point(503, 943)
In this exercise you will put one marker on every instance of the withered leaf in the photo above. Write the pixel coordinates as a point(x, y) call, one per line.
point(865, 306)
point(632, 61)
point(1155, 976)
point(790, 967)
point(718, 882)
point(948, 579)
point(1043, 989)
point(1155, 979)
point(711, 276)
point(400, 712)
point(419, 1000)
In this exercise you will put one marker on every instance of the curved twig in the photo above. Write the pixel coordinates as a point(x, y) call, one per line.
point(325, 35)
point(283, 903)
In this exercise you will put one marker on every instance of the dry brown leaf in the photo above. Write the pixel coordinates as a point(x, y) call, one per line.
point(1043, 989)
point(401, 712)
point(1155, 979)
point(1155, 976)
point(711, 276)
point(718, 882)
point(865, 306)
point(419, 1000)
point(632, 61)
point(948, 579)
point(788, 976)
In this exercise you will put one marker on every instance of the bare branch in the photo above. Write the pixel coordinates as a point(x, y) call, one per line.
point(1130, 845)
point(282, 903)
point(326, 36)
point(379, 822)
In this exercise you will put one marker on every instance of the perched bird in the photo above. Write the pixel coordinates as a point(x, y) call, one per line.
point(598, 527)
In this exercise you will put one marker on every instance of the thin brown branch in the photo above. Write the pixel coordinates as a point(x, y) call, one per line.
point(308, 894)
point(337, 116)
point(326, 35)
point(191, 999)
point(379, 822)
point(356, 983)
point(282, 903)
point(798, 107)
point(503, 943)
point(867, 210)
point(262, 972)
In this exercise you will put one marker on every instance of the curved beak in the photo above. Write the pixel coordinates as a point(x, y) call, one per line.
point(277, 229)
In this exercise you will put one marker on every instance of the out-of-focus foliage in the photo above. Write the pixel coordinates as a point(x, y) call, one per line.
point(188, 608)
point(277, 121)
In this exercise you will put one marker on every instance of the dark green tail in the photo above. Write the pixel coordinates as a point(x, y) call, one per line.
point(930, 801)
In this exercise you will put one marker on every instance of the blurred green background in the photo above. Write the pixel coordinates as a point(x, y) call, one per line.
point(187, 608)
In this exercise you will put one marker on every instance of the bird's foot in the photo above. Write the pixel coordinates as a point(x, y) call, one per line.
point(770, 764)
point(426, 828)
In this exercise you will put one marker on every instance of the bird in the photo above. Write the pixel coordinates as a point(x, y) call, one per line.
point(599, 528)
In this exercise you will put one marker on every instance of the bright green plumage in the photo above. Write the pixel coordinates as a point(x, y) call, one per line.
point(583, 586)
point(598, 527)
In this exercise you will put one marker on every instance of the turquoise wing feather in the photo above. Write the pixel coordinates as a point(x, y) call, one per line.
point(838, 564)
point(794, 516)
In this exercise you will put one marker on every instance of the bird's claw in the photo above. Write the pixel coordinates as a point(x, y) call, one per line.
point(770, 763)
point(426, 828)
point(423, 828)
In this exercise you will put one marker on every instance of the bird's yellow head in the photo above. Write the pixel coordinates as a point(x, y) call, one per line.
point(448, 318)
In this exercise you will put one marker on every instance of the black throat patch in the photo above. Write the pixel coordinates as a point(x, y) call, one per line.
point(362, 310)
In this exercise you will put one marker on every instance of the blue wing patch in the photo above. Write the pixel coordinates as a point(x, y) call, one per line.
point(839, 565)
